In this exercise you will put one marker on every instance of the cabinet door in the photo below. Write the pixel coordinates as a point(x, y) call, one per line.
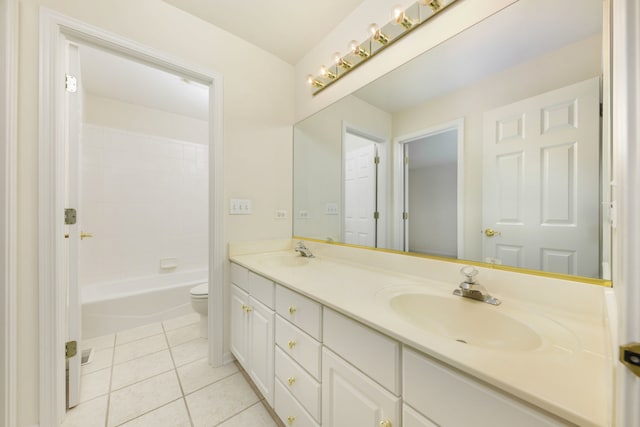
point(239, 324)
point(350, 398)
point(261, 348)
point(412, 418)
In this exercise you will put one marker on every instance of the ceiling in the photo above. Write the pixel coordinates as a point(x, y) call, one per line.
point(286, 28)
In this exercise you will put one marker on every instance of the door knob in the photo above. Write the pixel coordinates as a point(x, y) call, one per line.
point(490, 232)
point(84, 235)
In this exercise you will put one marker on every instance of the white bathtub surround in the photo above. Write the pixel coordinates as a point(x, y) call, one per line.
point(115, 306)
point(145, 200)
point(567, 375)
point(144, 378)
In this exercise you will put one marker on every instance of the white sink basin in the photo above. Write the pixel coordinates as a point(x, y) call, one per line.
point(283, 259)
point(466, 321)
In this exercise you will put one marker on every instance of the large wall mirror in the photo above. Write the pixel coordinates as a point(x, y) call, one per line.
point(490, 147)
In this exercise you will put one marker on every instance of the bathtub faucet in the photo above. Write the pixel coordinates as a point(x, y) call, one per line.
point(303, 250)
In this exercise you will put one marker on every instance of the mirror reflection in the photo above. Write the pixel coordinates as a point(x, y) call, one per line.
point(489, 147)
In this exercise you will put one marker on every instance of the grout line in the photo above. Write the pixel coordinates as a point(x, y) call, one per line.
point(239, 412)
point(210, 384)
point(148, 412)
point(113, 356)
point(175, 369)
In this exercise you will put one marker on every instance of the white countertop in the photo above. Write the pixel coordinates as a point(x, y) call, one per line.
point(568, 375)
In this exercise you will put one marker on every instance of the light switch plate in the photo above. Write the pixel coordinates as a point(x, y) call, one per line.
point(240, 207)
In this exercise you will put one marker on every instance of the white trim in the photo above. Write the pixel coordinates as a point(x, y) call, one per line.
point(54, 29)
point(8, 211)
point(626, 169)
point(399, 187)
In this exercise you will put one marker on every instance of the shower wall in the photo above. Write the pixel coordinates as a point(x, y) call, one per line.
point(145, 200)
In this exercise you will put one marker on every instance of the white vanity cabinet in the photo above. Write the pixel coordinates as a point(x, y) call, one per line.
point(450, 398)
point(298, 359)
point(360, 375)
point(252, 327)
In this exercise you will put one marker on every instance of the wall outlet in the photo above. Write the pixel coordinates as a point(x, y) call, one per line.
point(281, 214)
point(331, 209)
point(240, 207)
point(303, 214)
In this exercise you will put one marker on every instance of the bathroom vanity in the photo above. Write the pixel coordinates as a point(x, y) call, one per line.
point(354, 337)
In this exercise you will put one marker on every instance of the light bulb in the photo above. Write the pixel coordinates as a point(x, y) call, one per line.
point(401, 18)
point(325, 72)
point(435, 5)
point(356, 49)
point(377, 34)
point(340, 61)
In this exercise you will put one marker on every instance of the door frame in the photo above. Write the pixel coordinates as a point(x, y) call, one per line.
point(54, 29)
point(383, 188)
point(8, 209)
point(399, 190)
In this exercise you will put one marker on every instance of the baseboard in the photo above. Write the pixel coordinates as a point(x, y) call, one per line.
point(228, 358)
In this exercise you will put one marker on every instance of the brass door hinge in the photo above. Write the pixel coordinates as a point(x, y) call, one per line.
point(405, 215)
point(70, 349)
point(376, 215)
point(630, 357)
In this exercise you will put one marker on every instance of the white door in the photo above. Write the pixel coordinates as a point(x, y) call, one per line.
point(73, 104)
point(541, 182)
point(360, 184)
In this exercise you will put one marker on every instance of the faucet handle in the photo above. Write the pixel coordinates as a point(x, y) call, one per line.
point(470, 273)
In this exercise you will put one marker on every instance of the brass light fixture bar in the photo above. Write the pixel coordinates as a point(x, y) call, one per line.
point(402, 23)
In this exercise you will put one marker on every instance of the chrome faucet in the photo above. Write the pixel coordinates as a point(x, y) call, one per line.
point(303, 250)
point(472, 289)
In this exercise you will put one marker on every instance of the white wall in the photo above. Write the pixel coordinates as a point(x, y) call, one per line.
point(137, 118)
point(577, 62)
point(258, 113)
point(144, 198)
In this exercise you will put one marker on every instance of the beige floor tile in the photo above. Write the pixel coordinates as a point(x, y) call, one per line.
point(101, 359)
point(140, 398)
point(181, 321)
point(88, 414)
point(221, 400)
point(138, 333)
point(98, 343)
point(140, 369)
point(94, 384)
point(190, 351)
point(198, 374)
point(173, 414)
point(139, 348)
point(255, 416)
point(184, 334)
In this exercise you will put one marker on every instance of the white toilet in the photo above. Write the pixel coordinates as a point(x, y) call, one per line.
point(200, 303)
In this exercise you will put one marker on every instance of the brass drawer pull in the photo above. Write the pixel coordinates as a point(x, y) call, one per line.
point(385, 423)
point(292, 343)
point(291, 381)
point(290, 419)
point(292, 309)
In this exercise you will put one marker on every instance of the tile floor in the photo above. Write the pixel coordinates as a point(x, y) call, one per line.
point(157, 375)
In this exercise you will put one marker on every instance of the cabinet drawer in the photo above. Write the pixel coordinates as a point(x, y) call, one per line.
point(240, 276)
point(300, 310)
point(437, 392)
point(299, 383)
point(289, 410)
point(299, 346)
point(262, 289)
point(375, 354)
point(412, 418)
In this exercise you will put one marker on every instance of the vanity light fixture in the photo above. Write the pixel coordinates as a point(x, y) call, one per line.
point(341, 62)
point(378, 35)
point(356, 49)
point(400, 17)
point(404, 20)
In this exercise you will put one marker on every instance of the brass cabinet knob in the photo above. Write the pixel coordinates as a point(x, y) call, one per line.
point(490, 232)
point(292, 309)
point(291, 381)
point(290, 419)
point(249, 309)
point(385, 423)
point(84, 235)
point(292, 343)
point(244, 307)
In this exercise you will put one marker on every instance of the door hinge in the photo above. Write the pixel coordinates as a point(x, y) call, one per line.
point(601, 109)
point(405, 215)
point(70, 83)
point(376, 160)
point(406, 160)
point(376, 215)
point(70, 216)
point(630, 357)
point(70, 349)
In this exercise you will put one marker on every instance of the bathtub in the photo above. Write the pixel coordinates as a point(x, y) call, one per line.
point(114, 306)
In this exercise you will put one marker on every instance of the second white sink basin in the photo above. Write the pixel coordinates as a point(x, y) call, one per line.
point(466, 321)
